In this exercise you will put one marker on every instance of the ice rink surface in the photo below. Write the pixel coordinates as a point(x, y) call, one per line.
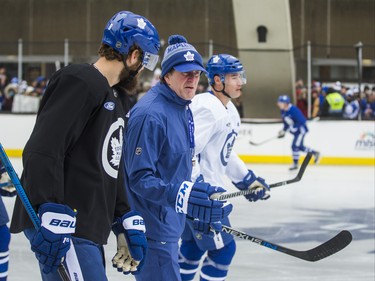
point(300, 216)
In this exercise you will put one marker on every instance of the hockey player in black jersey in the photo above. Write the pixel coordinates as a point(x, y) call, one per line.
point(73, 173)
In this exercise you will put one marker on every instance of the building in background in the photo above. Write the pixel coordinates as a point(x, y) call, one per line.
point(55, 33)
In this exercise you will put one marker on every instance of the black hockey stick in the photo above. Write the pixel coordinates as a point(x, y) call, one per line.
point(26, 203)
point(264, 141)
point(302, 169)
point(332, 246)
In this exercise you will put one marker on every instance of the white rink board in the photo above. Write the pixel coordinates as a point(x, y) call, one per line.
point(331, 138)
point(345, 139)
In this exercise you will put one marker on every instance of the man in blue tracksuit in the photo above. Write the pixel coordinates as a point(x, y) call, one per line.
point(295, 123)
point(158, 152)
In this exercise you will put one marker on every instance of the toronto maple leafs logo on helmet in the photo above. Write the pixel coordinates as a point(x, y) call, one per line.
point(215, 59)
point(141, 23)
point(112, 148)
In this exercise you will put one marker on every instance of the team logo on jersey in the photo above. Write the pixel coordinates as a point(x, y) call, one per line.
point(227, 148)
point(112, 148)
point(109, 105)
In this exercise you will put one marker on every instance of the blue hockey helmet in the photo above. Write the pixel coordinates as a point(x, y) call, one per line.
point(125, 29)
point(223, 64)
point(283, 99)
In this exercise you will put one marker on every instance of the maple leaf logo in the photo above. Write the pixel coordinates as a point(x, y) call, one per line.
point(189, 56)
point(215, 59)
point(116, 146)
point(141, 23)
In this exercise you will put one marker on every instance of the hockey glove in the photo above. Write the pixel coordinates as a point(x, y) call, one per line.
point(131, 243)
point(194, 199)
point(52, 240)
point(259, 188)
point(6, 186)
point(206, 228)
point(281, 134)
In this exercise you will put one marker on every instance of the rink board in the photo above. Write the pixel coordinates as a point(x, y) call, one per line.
point(339, 142)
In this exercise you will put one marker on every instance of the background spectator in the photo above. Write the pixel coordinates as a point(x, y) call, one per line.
point(301, 93)
point(333, 104)
point(368, 105)
point(156, 77)
point(316, 93)
point(351, 107)
point(238, 104)
point(39, 86)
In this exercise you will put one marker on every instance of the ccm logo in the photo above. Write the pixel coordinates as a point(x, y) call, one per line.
point(180, 198)
point(62, 223)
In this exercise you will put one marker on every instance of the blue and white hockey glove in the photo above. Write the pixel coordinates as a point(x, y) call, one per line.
point(6, 186)
point(194, 199)
point(259, 188)
point(207, 228)
point(52, 240)
point(131, 243)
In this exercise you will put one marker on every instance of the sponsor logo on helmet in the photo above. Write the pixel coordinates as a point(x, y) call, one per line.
point(189, 56)
point(118, 44)
point(141, 23)
point(109, 105)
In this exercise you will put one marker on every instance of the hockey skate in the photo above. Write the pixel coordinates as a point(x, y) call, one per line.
point(293, 167)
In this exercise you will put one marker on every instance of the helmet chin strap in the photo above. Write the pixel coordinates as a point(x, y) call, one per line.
point(222, 91)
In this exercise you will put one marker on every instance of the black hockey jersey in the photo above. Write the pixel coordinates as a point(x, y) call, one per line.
point(73, 156)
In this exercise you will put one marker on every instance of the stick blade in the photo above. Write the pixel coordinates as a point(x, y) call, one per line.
point(332, 246)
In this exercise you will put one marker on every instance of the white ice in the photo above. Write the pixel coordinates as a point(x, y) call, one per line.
point(298, 216)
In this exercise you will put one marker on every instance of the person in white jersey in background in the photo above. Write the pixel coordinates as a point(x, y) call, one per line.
point(217, 124)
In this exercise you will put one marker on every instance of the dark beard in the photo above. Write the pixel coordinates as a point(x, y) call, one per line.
point(128, 85)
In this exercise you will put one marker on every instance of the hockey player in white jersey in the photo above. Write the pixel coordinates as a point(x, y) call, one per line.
point(217, 124)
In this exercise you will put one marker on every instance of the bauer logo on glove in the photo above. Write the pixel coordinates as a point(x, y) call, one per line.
point(131, 243)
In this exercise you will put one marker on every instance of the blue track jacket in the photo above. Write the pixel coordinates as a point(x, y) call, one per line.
point(158, 159)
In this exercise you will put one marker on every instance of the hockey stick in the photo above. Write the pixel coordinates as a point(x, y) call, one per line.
point(263, 142)
point(26, 203)
point(332, 246)
point(296, 179)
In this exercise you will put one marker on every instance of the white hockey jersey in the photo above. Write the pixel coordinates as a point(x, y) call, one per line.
point(216, 130)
